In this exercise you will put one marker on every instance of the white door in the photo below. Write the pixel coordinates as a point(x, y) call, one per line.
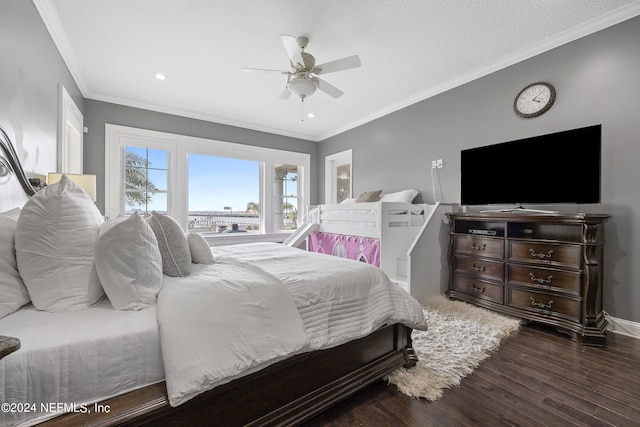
point(70, 133)
point(337, 177)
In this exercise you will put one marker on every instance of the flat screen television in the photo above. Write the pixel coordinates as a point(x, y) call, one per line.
point(557, 168)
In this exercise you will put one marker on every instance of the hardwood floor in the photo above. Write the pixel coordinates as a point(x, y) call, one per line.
point(538, 377)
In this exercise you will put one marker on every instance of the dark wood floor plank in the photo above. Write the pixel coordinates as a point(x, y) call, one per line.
point(515, 396)
point(569, 361)
point(560, 397)
point(538, 377)
point(474, 395)
point(413, 412)
point(595, 354)
point(584, 385)
point(590, 392)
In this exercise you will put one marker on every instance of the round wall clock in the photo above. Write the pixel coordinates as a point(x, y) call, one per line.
point(534, 100)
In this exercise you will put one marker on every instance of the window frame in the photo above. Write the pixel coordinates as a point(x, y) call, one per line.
point(179, 146)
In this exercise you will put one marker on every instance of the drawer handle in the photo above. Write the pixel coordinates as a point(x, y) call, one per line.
point(481, 247)
point(540, 304)
point(541, 255)
point(476, 268)
point(540, 280)
point(477, 289)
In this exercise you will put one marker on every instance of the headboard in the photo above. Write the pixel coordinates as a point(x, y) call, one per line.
point(15, 188)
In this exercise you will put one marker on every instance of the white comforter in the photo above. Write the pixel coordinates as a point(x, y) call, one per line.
point(262, 302)
point(221, 322)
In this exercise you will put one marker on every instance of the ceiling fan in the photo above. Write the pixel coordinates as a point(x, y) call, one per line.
point(302, 79)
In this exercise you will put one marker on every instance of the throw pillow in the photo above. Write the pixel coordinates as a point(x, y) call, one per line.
point(128, 262)
point(368, 196)
point(200, 250)
point(13, 294)
point(55, 248)
point(174, 248)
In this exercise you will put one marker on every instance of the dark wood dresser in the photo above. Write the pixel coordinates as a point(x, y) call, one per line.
point(541, 267)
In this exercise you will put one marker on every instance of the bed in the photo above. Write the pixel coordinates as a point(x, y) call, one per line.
point(389, 233)
point(379, 233)
point(316, 340)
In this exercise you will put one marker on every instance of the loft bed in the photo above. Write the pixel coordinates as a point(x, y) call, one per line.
point(387, 234)
point(102, 344)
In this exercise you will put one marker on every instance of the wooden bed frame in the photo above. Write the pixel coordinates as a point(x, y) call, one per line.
point(288, 392)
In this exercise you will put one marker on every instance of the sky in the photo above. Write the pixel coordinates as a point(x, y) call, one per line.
point(217, 182)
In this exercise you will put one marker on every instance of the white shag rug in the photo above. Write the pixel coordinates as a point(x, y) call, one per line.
point(460, 336)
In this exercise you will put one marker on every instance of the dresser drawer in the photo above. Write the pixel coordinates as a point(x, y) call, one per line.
point(479, 288)
point(547, 304)
point(559, 280)
point(479, 267)
point(545, 253)
point(479, 246)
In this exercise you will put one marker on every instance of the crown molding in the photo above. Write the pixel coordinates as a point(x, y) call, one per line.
point(199, 116)
point(51, 21)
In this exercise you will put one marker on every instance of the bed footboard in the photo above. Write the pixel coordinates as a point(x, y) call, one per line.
point(289, 392)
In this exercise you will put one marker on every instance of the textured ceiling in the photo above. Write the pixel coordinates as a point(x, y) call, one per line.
point(410, 50)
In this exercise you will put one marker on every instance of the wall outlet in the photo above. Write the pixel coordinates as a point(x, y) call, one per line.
point(436, 164)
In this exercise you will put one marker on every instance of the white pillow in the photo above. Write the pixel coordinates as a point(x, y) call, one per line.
point(200, 250)
point(128, 262)
point(405, 196)
point(55, 248)
point(13, 294)
point(348, 201)
point(174, 248)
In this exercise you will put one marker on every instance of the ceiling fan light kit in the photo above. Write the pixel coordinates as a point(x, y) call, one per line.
point(302, 87)
point(302, 79)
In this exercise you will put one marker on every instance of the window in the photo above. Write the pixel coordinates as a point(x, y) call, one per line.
point(224, 194)
point(222, 189)
point(145, 183)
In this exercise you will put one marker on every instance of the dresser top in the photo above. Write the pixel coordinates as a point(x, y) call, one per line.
point(526, 216)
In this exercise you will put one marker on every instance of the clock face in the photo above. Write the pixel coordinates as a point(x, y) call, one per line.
point(534, 100)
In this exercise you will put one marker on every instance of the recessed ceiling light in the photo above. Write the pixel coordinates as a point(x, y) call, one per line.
point(311, 115)
point(160, 76)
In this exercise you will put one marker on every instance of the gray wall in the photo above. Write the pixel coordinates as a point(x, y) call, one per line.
point(99, 113)
point(31, 70)
point(597, 79)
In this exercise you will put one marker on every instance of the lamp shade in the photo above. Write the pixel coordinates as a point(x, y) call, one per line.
point(86, 182)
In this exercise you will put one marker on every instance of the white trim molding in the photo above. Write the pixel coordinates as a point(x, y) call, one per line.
point(623, 327)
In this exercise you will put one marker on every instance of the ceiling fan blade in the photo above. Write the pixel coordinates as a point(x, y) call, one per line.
point(286, 93)
point(329, 89)
point(338, 65)
point(262, 70)
point(291, 46)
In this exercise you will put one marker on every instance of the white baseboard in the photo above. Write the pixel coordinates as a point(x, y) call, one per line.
point(623, 327)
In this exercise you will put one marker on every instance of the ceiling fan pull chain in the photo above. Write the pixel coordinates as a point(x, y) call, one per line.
point(302, 109)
